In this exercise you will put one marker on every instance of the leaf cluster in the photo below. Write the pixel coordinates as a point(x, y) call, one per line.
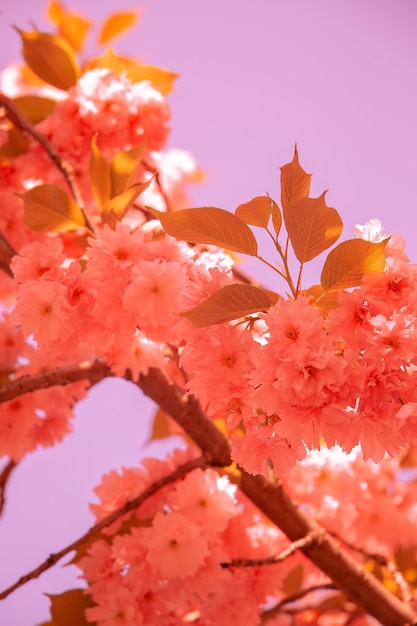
point(311, 228)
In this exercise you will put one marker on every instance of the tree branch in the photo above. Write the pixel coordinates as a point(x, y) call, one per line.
point(358, 585)
point(4, 477)
point(304, 542)
point(20, 121)
point(187, 412)
point(277, 609)
point(91, 371)
point(107, 521)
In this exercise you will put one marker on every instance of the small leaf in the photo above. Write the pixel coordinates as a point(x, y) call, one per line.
point(210, 226)
point(293, 581)
point(161, 428)
point(16, 144)
point(160, 79)
point(99, 175)
point(116, 208)
point(67, 609)
point(124, 167)
point(72, 26)
point(116, 24)
point(51, 58)
point(229, 303)
point(257, 211)
point(276, 218)
point(323, 300)
point(312, 226)
point(35, 108)
point(295, 182)
point(349, 261)
point(49, 208)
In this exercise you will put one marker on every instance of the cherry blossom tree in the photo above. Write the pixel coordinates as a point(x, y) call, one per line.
point(292, 500)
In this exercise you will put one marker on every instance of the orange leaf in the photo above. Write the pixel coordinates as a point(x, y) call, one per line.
point(349, 261)
point(210, 226)
point(293, 581)
point(320, 299)
point(159, 78)
point(276, 218)
point(72, 26)
point(35, 108)
point(312, 226)
point(257, 211)
point(16, 144)
point(295, 182)
point(230, 303)
point(117, 207)
point(68, 608)
point(48, 208)
point(51, 58)
point(116, 24)
point(123, 168)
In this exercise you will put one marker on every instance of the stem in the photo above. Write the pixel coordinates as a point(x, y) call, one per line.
point(157, 176)
point(276, 610)
point(304, 542)
point(20, 121)
point(107, 521)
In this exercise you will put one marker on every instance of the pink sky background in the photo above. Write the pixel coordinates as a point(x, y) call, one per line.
point(339, 78)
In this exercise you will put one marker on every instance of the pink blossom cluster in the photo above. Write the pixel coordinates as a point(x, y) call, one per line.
point(162, 565)
point(118, 304)
point(41, 418)
point(294, 378)
point(362, 502)
point(122, 114)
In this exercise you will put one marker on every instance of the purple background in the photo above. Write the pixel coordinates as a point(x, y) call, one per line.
point(337, 77)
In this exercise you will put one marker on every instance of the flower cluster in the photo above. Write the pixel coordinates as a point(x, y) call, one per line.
point(164, 565)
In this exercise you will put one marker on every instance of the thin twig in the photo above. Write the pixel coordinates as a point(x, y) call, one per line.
point(156, 174)
point(4, 477)
point(20, 121)
point(104, 523)
point(91, 371)
point(299, 595)
point(300, 544)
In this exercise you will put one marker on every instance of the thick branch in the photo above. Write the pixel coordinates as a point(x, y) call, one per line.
point(104, 523)
point(358, 585)
point(188, 414)
point(327, 554)
point(93, 372)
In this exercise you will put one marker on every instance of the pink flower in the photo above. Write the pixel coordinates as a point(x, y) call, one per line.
point(176, 546)
point(206, 499)
point(42, 309)
point(39, 260)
